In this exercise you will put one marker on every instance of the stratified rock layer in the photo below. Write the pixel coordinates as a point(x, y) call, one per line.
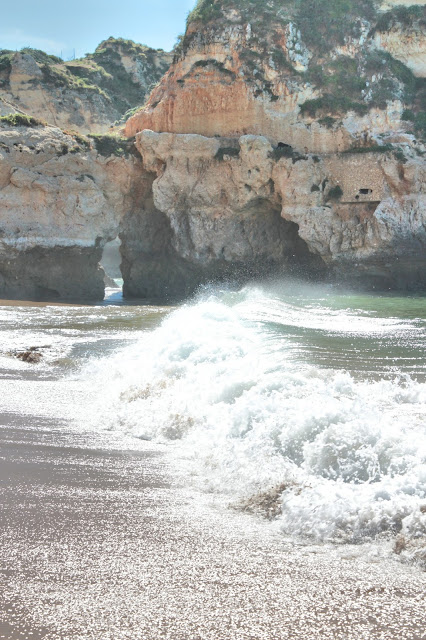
point(238, 71)
point(308, 153)
point(194, 210)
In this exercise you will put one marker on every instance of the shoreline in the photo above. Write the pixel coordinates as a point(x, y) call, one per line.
point(102, 543)
point(106, 537)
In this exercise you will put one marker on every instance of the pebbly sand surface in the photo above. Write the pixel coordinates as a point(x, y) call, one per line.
point(100, 542)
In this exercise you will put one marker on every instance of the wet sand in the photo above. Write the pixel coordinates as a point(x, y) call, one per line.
point(100, 542)
point(30, 303)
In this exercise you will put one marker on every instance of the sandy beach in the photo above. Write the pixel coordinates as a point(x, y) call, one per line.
point(98, 542)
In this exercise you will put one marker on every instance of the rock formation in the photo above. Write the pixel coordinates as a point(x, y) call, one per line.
point(60, 202)
point(248, 208)
point(332, 181)
point(314, 74)
point(86, 95)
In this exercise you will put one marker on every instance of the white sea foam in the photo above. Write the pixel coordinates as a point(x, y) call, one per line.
point(222, 383)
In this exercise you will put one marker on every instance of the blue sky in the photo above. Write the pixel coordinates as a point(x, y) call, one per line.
point(64, 26)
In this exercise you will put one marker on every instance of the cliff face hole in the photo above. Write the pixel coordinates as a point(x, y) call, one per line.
point(110, 262)
point(300, 260)
point(276, 242)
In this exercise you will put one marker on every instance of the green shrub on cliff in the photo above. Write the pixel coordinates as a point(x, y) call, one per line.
point(372, 148)
point(335, 193)
point(325, 23)
point(407, 16)
point(286, 151)
point(418, 120)
point(328, 122)
point(329, 103)
point(258, 12)
point(21, 120)
point(59, 77)
point(112, 145)
point(204, 11)
point(5, 60)
point(357, 84)
point(5, 67)
point(381, 62)
point(40, 56)
point(340, 76)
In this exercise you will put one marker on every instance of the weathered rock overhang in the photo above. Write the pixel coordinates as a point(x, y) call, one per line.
point(191, 210)
point(359, 217)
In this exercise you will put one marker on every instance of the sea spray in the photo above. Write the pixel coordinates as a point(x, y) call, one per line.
point(233, 380)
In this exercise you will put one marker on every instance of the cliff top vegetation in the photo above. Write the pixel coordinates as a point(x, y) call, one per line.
point(101, 73)
point(348, 82)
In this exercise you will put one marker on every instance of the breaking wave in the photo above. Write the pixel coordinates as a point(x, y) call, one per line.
point(321, 394)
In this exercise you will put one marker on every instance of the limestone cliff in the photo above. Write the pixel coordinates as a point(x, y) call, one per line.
point(318, 75)
point(191, 210)
point(60, 202)
point(308, 156)
point(249, 209)
point(86, 95)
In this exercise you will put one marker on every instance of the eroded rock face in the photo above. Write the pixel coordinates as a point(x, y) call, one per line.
point(207, 92)
point(59, 204)
point(193, 210)
point(224, 208)
point(301, 150)
point(213, 216)
point(241, 73)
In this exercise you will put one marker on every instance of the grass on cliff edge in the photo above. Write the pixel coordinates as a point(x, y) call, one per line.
point(21, 120)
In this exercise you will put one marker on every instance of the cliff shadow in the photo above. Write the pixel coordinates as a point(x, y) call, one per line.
point(69, 273)
point(169, 257)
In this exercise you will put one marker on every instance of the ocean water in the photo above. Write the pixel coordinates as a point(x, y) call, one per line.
point(306, 397)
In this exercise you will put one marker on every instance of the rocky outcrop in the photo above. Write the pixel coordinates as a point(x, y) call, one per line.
point(86, 95)
point(198, 210)
point(238, 208)
point(60, 202)
point(208, 92)
point(237, 72)
point(308, 151)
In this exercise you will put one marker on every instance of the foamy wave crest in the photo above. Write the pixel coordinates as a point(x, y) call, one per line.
point(350, 455)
